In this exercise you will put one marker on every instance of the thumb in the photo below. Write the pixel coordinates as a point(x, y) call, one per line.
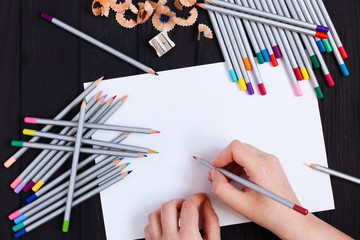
point(227, 193)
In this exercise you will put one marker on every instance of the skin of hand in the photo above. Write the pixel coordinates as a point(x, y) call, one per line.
point(164, 222)
point(265, 170)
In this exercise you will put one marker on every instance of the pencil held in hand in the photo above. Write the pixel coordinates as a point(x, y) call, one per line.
point(255, 187)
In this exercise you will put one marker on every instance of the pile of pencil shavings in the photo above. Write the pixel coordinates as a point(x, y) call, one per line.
point(163, 19)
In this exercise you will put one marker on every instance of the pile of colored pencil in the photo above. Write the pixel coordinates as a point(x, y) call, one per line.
point(294, 30)
point(72, 187)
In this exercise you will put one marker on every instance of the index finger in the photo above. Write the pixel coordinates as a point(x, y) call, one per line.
point(189, 215)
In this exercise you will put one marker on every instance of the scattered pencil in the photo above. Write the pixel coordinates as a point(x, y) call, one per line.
point(334, 173)
point(255, 187)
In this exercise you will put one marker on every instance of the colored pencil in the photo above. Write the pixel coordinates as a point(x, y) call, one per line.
point(255, 187)
point(293, 45)
point(27, 228)
point(32, 120)
point(264, 36)
point(245, 43)
point(71, 149)
point(45, 155)
point(75, 160)
point(223, 48)
point(313, 5)
point(61, 191)
point(262, 20)
point(88, 141)
point(312, 77)
point(100, 117)
point(229, 37)
point(97, 43)
point(101, 166)
point(335, 173)
point(60, 115)
point(46, 176)
point(269, 16)
point(302, 10)
point(332, 29)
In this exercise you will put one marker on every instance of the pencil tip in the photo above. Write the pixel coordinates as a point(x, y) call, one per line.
point(156, 74)
point(156, 152)
point(129, 171)
point(127, 164)
point(105, 96)
point(196, 158)
point(114, 97)
point(127, 134)
point(123, 99)
point(98, 81)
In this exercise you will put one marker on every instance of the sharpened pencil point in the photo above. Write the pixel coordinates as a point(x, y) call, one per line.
point(127, 134)
point(196, 158)
point(154, 131)
point(114, 97)
point(127, 164)
point(98, 81)
point(156, 152)
point(129, 171)
point(156, 74)
point(105, 96)
point(312, 165)
point(101, 100)
point(123, 99)
point(97, 96)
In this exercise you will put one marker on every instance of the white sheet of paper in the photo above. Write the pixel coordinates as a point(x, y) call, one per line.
point(199, 111)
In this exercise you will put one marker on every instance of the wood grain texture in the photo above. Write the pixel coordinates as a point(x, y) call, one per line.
point(43, 68)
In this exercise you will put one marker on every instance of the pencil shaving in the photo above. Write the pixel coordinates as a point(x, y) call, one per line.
point(157, 4)
point(204, 31)
point(117, 7)
point(189, 20)
point(163, 19)
point(188, 3)
point(145, 11)
point(104, 8)
point(178, 5)
point(120, 16)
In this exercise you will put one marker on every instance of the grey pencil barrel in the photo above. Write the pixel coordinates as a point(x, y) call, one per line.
point(60, 115)
point(62, 198)
point(76, 201)
point(260, 20)
point(74, 164)
point(82, 150)
point(40, 162)
point(94, 126)
point(81, 165)
point(45, 153)
point(102, 119)
point(338, 174)
point(61, 190)
point(100, 45)
point(221, 42)
point(249, 184)
point(92, 142)
point(264, 14)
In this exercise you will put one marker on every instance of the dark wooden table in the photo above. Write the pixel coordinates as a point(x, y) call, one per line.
point(43, 67)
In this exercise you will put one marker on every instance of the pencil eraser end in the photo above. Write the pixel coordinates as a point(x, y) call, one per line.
point(343, 52)
point(19, 187)
point(17, 227)
point(319, 93)
point(321, 35)
point(262, 89)
point(20, 219)
point(250, 88)
point(233, 75)
point(327, 45)
point(30, 120)
point(315, 61)
point(16, 182)
point(277, 51)
point(47, 16)
point(265, 54)
point(322, 29)
point(247, 64)
point(273, 60)
point(20, 233)
point(242, 84)
point(28, 186)
point(31, 198)
point(304, 73)
point(321, 46)
point(344, 70)
point(15, 143)
point(65, 227)
point(260, 58)
point(29, 132)
point(300, 209)
point(298, 74)
point(9, 162)
point(329, 80)
point(37, 185)
point(297, 90)
point(14, 215)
